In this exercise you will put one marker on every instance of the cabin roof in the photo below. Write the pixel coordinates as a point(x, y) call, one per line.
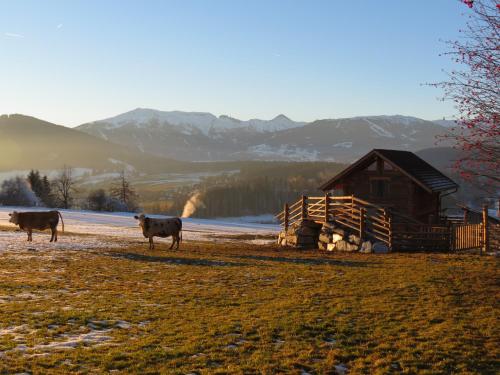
point(418, 170)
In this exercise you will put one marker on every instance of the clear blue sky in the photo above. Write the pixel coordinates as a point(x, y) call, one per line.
point(71, 62)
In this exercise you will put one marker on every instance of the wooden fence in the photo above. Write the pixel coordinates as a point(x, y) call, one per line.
point(466, 236)
point(398, 231)
point(361, 217)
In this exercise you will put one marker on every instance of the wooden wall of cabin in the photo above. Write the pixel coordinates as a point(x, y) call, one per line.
point(403, 195)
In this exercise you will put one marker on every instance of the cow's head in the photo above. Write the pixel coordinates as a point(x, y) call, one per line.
point(14, 217)
point(143, 221)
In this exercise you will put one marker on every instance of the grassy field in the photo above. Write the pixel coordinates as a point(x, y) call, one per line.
point(235, 308)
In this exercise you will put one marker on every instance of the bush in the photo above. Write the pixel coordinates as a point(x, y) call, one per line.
point(16, 192)
point(99, 200)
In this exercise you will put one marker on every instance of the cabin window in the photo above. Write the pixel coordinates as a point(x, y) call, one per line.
point(372, 166)
point(388, 167)
point(379, 188)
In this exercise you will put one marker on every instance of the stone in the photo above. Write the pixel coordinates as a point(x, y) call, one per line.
point(322, 245)
point(366, 247)
point(339, 231)
point(291, 240)
point(380, 248)
point(326, 238)
point(354, 239)
point(336, 238)
point(345, 246)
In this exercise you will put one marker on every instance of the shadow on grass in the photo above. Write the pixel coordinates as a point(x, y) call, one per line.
point(312, 261)
point(174, 260)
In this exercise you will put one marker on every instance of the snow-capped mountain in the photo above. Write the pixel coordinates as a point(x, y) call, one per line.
point(195, 136)
point(191, 122)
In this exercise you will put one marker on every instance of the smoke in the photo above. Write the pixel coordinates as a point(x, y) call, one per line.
point(192, 204)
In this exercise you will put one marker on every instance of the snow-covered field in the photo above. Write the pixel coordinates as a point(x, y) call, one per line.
point(89, 230)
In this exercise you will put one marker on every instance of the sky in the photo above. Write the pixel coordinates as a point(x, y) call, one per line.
point(71, 62)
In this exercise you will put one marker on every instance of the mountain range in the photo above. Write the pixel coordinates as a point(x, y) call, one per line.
point(146, 140)
point(27, 142)
point(200, 136)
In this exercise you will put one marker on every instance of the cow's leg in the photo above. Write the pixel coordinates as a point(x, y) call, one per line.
point(30, 235)
point(52, 235)
point(55, 234)
point(151, 243)
point(178, 240)
point(173, 242)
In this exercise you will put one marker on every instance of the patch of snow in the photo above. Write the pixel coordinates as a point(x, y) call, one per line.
point(284, 151)
point(379, 130)
point(108, 229)
point(127, 166)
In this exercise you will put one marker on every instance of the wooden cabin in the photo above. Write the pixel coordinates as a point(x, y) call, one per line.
point(398, 180)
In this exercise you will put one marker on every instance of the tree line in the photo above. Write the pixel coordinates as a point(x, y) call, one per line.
point(252, 192)
point(59, 192)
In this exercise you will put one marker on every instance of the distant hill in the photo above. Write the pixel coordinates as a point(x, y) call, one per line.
point(442, 158)
point(195, 136)
point(27, 142)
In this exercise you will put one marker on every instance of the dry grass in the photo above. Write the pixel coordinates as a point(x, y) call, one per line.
point(234, 308)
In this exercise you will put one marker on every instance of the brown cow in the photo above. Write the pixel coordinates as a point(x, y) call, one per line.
point(37, 220)
point(152, 227)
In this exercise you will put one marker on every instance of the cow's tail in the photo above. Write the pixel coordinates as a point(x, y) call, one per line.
point(62, 221)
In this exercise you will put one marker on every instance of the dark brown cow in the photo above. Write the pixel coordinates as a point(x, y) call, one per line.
point(37, 220)
point(152, 227)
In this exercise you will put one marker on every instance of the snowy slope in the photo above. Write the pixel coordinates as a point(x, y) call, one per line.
point(196, 136)
point(107, 228)
point(188, 122)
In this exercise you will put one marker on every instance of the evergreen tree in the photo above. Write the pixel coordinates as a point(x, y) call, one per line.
point(41, 187)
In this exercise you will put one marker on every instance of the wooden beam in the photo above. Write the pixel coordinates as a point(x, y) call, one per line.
point(486, 238)
point(287, 212)
point(304, 207)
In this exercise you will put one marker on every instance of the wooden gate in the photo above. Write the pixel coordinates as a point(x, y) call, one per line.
point(466, 236)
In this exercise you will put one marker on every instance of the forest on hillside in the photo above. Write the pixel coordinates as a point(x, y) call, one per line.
point(258, 188)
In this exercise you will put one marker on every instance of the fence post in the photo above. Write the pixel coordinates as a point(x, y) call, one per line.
point(304, 207)
point(362, 214)
point(352, 205)
point(327, 205)
point(287, 213)
point(486, 239)
point(451, 234)
point(466, 215)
